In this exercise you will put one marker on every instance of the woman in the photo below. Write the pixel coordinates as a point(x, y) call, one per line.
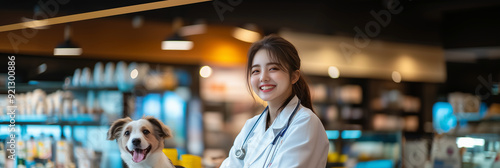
point(287, 133)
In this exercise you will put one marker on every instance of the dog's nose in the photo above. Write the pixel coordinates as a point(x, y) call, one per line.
point(136, 142)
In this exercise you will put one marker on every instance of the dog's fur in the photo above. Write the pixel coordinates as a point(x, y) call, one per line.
point(139, 135)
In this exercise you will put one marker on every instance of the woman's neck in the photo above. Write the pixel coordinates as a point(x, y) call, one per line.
point(272, 113)
point(274, 109)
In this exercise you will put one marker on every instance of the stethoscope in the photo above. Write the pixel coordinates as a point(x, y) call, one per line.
point(240, 153)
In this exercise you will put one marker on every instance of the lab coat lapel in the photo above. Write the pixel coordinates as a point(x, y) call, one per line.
point(260, 140)
point(268, 137)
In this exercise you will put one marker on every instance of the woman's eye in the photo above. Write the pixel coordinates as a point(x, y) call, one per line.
point(255, 71)
point(145, 132)
point(127, 133)
point(274, 68)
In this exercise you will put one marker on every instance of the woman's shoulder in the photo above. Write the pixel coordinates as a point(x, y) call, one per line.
point(306, 114)
point(307, 121)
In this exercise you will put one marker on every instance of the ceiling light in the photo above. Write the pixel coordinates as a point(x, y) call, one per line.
point(333, 72)
point(205, 71)
point(176, 41)
point(67, 47)
point(247, 34)
point(199, 27)
point(396, 76)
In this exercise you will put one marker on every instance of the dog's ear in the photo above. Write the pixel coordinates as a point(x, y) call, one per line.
point(162, 130)
point(116, 128)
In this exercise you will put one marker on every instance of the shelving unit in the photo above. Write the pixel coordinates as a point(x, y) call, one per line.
point(373, 90)
point(47, 120)
point(67, 125)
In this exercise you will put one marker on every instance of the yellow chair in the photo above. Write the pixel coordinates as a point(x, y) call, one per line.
point(190, 161)
point(172, 154)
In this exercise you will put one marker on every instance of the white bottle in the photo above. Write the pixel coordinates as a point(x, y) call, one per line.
point(2, 154)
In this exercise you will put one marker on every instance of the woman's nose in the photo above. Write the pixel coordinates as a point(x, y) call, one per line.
point(264, 76)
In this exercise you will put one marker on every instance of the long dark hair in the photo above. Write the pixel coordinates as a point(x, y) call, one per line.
point(283, 52)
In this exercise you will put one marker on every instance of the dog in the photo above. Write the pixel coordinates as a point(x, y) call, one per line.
point(141, 142)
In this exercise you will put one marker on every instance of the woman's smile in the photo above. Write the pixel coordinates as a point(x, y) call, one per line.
point(266, 88)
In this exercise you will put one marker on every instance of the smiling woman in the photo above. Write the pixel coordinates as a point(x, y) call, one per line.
point(290, 126)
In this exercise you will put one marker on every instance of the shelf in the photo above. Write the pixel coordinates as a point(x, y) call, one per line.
point(399, 112)
point(495, 118)
point(50, 86)
point(83, 119)
point(90, 88)
point(476, 135)
point(28, 87)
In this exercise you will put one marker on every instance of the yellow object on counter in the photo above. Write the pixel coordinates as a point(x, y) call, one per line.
point(190, 161)
point(172, 154)
point(343, 158)
point(333, 157)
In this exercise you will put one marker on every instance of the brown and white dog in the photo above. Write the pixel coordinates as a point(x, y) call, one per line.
point(141, 142)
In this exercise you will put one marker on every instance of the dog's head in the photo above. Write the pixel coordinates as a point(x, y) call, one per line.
point(139, 137)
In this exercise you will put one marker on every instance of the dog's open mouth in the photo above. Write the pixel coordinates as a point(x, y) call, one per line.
point(139, 155)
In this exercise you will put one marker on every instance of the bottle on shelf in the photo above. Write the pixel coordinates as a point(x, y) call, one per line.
point(44, 149)
point(31, 151)
point(64, 153)
point(53, 147)
point(21, 154)
point(2, 154)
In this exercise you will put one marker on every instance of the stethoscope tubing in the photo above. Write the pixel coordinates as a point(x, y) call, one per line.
point(278, 137)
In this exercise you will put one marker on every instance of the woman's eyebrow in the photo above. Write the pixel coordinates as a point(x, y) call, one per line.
point(271, 63)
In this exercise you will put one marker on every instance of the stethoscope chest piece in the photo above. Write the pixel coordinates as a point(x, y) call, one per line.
point(240, 153)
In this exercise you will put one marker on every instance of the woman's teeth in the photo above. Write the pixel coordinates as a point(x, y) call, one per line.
point(266, 87)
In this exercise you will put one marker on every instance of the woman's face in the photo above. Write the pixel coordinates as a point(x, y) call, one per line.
point(270, 82)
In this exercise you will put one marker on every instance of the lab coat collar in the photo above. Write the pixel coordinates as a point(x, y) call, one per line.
point(282, 119)
point(278, 124)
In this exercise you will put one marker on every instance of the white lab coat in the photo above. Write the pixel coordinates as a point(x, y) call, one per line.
point(304, 144)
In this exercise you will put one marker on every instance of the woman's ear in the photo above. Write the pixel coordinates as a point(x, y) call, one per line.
point(295, 76)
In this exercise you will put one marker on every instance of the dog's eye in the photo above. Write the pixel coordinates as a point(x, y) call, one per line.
point(127, 133)
point(145, 132)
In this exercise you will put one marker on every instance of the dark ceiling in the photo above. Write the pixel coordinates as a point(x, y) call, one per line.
point(460, 25)
point(433, 22)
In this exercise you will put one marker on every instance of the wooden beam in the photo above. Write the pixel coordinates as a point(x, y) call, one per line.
point(98, 14)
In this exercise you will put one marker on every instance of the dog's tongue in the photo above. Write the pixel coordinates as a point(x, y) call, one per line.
point(138, 155)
